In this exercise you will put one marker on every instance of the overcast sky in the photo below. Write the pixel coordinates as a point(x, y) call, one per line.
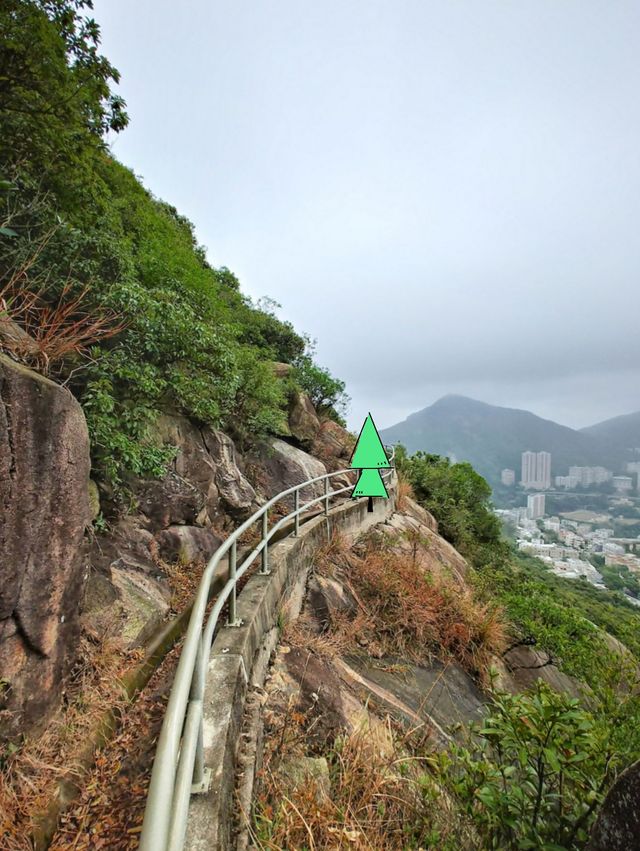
point(445, 194)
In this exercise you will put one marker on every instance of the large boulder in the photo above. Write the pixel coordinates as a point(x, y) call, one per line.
point(284, 466)
point(522, 666)
point(44, 510)
point(333, 445)
point(187, 543)
point(235, 493)
point(617, 827)
point(168, 500)
point(303, 421)
point(127, 595)
point(206, 459)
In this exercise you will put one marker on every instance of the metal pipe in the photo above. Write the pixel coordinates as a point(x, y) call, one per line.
point(184, 774)
point(326, 496)
point(233, 554)
point(265, 549)
point(296, 508)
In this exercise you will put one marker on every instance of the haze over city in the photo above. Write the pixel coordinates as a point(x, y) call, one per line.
point(445, 195)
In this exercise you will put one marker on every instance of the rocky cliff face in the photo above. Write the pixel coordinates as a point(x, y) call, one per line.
point(55, 580)
point(44, 510)
point(183, 517)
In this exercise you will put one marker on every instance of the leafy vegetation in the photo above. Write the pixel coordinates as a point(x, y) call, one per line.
point(509, 780)
point(534, 772)
point(90, 258)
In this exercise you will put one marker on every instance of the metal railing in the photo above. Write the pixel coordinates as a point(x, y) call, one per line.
point(178, 766)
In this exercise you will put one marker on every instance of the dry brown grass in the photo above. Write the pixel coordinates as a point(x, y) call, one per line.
point(404, 492)
point(30, 772)
point(380, 798)
point(50, 330)
point(410, 607)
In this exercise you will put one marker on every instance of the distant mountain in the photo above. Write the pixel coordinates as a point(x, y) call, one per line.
point(492, 438)
point(622, 432)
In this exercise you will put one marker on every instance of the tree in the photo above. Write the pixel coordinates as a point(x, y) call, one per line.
point(369, 457)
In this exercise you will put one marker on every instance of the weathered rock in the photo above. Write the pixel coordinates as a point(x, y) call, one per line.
point(127, 595)
point(617, 827)
point(303, 421)
point(207, 459)
point(424, 517)
point(169, 500)
point(333, 445)
point(192, 461)
point(187, 543)
point(281, 370)
point(434, 551)
point(522, 666)
point(236, 494)
point(286, 466)
point(44, 510)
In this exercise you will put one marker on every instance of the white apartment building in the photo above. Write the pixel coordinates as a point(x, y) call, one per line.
point(543, 470)
point(536, 470)
point(535, 506)
point(568, 482)
point(622, 483)
point(528, 469)
point(586, 476)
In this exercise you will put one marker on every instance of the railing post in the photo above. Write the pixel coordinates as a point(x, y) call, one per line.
point(265, 548)
point(296, 508)
point(233, 557)
point(326, 497)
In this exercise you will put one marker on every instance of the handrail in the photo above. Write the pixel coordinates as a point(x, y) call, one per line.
point(178, 767)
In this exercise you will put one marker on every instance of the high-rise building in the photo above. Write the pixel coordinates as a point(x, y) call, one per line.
point(622, 483)
point(508, 477)
point(528, 469)
point(535, 506)
point(536, 470)
point(591, 475)
point(543, 470)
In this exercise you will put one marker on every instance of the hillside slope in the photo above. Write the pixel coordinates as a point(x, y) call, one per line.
point(622, 432)
point(491, 437)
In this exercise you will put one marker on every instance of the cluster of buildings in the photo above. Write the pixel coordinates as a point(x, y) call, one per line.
point(536, 475)
point(566, 545)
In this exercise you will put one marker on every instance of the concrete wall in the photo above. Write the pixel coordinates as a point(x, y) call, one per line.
point(240, 655)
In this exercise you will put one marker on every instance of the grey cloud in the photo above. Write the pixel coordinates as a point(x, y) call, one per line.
point(446, 195)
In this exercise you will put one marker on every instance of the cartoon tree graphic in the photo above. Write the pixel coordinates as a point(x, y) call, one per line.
point(369, 457)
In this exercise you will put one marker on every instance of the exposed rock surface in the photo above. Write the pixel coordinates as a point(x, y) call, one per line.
point(617, 827)
point(304, 424)
point(44, 510)
point(181, 516)
point(522, 666)
point(187, 543)
point(333, 445)
point(286, 466)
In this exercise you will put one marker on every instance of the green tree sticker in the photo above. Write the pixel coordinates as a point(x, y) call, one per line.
point(369, 457)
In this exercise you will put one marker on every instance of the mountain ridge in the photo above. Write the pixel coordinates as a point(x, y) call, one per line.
point(492, 437)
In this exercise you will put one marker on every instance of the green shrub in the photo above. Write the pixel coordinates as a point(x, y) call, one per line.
point(534, 772)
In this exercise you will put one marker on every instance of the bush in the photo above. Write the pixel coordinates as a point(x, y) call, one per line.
point(534, 772)
point(459, 498)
